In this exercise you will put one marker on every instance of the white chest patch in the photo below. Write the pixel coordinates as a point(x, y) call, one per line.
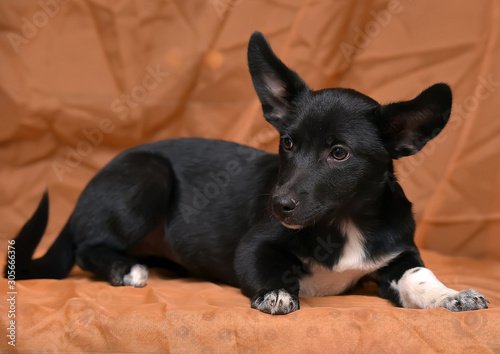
point(351, 267)
point(353, 254)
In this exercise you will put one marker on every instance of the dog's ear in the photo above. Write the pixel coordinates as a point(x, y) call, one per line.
point(275, 84)
point(407, 126)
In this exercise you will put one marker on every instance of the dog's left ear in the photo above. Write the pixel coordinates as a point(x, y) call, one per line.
point(407, 126)
point(276, 85)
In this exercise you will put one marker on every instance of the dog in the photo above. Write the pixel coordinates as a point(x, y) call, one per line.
point(324, 214)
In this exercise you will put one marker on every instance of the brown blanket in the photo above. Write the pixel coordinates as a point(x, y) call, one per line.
point(81, 81)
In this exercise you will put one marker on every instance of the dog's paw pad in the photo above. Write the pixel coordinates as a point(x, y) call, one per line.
point(276, 302)
point(137, 276)
point(466, 300)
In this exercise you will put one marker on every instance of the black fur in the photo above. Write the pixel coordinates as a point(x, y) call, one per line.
point(242, 216)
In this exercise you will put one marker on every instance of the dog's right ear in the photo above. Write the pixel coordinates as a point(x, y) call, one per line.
point(275, 84)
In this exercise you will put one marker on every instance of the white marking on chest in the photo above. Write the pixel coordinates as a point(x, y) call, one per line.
point(350, 268)
point(353, 254)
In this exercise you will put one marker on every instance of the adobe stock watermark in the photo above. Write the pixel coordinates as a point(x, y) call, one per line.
point(325, 248)
point(40, 19)
point(10, 274)
point(124, 105)
point(217, 181)
point(364, 36)
point(485, 88)
point(92, 138)
point(75, 155)
point(222, 7)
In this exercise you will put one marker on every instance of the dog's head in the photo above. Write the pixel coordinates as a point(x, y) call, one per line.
point(337, 145)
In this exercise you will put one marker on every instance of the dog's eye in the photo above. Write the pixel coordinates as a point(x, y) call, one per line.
point(339, 153)
point(287, 143)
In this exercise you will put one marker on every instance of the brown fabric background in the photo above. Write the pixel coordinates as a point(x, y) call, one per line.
point(67, 69)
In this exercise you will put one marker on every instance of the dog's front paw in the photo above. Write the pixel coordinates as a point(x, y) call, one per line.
point(276, 302)
point(466, 300)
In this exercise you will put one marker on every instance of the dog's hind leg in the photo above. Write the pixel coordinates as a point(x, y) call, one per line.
point(125, 202)
point(116, 268)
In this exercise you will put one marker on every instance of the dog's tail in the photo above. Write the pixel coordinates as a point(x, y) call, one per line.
point(55, 264)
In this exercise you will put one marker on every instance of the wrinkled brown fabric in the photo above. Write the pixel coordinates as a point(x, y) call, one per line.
point(81, 81)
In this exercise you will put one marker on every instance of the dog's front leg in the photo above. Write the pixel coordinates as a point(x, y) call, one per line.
point(419, 288)
point(269, 275)
point(408, 283)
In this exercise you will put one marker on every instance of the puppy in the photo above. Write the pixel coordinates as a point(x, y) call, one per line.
point(314, 220)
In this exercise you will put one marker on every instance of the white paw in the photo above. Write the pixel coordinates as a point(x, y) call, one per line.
point(466, 300)
point(137, 276)
point(276, 302)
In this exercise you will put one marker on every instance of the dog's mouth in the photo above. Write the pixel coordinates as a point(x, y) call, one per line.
point(295, 223)
point(293, 227)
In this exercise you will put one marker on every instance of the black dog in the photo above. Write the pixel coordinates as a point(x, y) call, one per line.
point(314, 220)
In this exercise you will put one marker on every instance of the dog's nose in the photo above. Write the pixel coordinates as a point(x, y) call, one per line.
point(284, 205)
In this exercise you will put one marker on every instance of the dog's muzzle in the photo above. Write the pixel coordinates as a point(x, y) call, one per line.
point(284, 208)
